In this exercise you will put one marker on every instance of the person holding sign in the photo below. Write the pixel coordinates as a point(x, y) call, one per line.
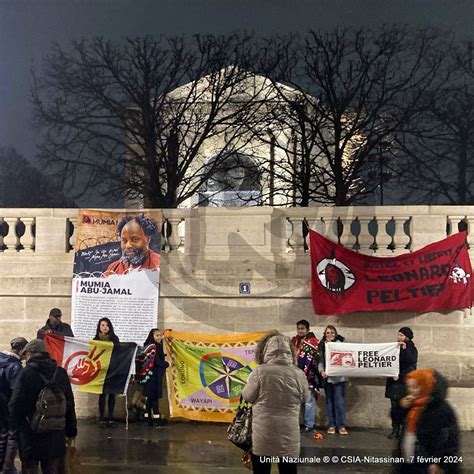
point(105, 332)
point(334, 386)
point(395, 387)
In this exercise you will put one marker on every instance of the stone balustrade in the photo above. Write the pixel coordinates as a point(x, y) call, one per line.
point(379, 230)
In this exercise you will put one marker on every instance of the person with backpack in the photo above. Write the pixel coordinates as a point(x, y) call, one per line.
point(10, 367)
point(151, 366)
point(42, 411)
point(105, 332)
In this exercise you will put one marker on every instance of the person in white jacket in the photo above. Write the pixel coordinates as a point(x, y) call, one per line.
point(334, 387)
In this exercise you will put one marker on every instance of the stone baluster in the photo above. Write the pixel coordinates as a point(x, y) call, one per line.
point(296, 238)
point(457, 223)
point(11, 240)
point(317, 225)
point(454, 223)
point(348, 239)
point(72, 232)
point(330, 228)
point(383, 239)
point(28, 238)
point(451, 225)
point(180, 235)
point(2, 226)
point(470, 232)
point(400, 238)
point(305, 230)
point(365, 239)
point(463, 224)
point(288, 229)
point(173, 238)
point(166, 231)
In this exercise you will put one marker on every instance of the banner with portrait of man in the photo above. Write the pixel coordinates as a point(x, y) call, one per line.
point(116, 272)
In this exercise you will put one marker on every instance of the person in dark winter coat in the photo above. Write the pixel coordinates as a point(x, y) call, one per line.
point(306, 344)
point(395, 388)
point(430, 439)
point(334, 387)
point(54, 325)
point(49, 448)
point(105, 332)
point(10, 367)
point(151, 367)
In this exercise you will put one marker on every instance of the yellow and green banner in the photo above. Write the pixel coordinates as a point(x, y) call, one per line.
point(207, 373)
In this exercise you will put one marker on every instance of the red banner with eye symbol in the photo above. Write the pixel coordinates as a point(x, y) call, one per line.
point(434, 278)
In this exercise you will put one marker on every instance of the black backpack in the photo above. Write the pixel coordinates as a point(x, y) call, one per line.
point(50, 413)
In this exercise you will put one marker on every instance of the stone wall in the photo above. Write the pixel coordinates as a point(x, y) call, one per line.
point(211, 251)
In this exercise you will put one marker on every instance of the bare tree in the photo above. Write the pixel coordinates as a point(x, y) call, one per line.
point(345, 96)
point(139, 119)
point(439, 142)
point(23, 185)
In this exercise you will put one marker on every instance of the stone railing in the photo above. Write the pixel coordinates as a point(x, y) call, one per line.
point(384, 230)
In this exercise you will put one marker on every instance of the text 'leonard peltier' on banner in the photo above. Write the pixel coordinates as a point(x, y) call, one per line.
point(434, 278)
point(362, 360)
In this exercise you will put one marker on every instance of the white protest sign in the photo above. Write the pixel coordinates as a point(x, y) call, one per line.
point(362, 360)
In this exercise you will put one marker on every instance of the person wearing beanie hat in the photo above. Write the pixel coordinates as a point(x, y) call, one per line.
point(10, 367)
point(18, 343)
point(54, 325)
point(47, 448)
point(395, 388)
point(407, 332)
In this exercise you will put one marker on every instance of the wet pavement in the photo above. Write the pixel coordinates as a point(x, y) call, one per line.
point(193, 448)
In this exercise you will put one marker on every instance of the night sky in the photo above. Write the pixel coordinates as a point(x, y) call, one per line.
point(27, 29)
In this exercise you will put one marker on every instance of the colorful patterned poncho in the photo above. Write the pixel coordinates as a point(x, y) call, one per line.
point(307, 357)
point(144, 363)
